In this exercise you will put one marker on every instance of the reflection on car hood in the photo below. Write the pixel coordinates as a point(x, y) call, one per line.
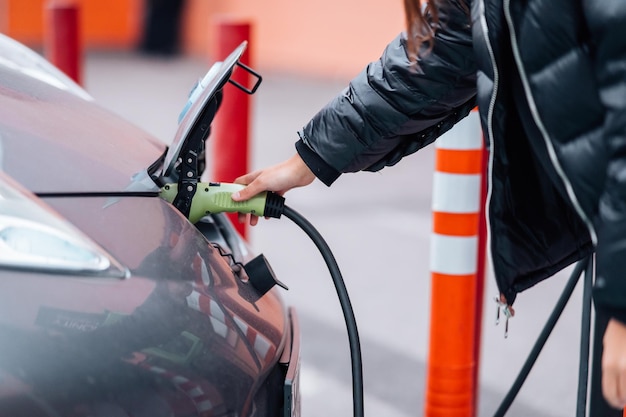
point(54, 141)
point(19, 57)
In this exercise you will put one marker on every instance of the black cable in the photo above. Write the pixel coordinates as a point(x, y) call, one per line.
point(585, 342)
point(541, 340)
point(344, 300)
point(99, 194)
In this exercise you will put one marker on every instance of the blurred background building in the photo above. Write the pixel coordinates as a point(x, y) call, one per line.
point(322, 38)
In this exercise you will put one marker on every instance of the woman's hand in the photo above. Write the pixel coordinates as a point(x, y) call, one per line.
point(614, 364)
point(279, 178)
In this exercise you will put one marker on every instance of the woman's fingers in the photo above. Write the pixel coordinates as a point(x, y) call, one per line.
point(279, 178)
point(609, 387)
point(247, 178)
point(248, 218)
point(614, 364)
point(248, 191)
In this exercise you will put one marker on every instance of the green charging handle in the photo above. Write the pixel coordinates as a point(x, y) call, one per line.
point(211, 198)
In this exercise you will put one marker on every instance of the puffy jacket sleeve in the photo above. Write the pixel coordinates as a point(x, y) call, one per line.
point(393, 107)
point(606, 21)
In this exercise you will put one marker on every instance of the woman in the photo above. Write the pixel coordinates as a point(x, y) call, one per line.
point(549, 79)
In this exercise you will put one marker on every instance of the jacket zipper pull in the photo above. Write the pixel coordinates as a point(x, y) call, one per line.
point(508, 312)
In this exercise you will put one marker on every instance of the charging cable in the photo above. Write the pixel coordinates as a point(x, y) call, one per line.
point(346, 306)
point(212, 198)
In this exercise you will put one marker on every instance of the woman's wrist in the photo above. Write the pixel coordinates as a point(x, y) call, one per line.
point(301, 170)
point(322, 170)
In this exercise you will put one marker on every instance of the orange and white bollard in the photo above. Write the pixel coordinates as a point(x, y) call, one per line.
point(455, 263)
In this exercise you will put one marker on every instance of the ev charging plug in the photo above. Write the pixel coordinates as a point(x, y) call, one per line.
point(215, 197)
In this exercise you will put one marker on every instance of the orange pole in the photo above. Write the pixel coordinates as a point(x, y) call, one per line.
point(61, 39)
point(230, 130)
point(457, 200)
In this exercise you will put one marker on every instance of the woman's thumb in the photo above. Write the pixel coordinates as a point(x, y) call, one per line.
point(245, 193)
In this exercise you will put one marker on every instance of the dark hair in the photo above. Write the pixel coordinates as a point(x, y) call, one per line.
point(422, 21)
point(420, 24)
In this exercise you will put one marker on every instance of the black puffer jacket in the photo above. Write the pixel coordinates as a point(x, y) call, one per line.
point(549, 77)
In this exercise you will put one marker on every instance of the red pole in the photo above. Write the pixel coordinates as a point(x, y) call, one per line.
point(456, 285)
point(230, 130)
point(61, 40)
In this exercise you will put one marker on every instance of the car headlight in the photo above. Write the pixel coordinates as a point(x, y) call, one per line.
point(33, 236)
point(27, 243)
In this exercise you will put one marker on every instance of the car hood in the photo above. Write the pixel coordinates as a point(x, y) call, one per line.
point(52, 140)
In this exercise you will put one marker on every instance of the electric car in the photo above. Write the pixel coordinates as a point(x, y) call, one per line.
point(116, 301)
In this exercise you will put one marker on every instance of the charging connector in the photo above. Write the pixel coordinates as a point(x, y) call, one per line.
point(215, 197)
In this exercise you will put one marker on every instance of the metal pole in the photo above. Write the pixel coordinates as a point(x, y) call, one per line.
point(61, 40)
point(229, 140)
point(541, 340)
point(585, 343)
point(480, 269)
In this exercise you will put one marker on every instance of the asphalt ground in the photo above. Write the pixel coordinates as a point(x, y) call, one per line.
point(378, 226)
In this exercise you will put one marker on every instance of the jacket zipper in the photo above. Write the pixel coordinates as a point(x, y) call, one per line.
point(541, 127)
point(502, 305)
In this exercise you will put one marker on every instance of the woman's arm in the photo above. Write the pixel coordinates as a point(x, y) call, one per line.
point(392, 100)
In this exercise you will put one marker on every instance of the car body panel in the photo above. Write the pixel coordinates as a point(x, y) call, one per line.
point(21, 58)
point(74, 141)
point(183, 313)
point(183, 334)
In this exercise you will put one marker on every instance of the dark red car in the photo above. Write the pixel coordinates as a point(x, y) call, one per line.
point(112, 303)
